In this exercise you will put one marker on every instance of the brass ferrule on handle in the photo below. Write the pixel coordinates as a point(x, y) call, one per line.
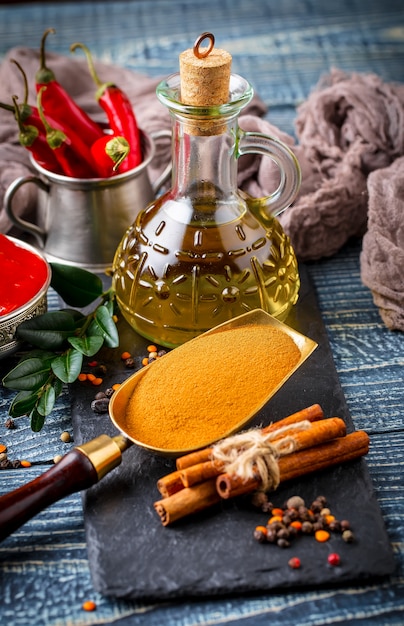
point(104, 452)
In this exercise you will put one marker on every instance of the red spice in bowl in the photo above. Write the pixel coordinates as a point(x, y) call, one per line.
point(24, 280)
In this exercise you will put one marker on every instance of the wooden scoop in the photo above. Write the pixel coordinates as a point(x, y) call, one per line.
point(86, 464)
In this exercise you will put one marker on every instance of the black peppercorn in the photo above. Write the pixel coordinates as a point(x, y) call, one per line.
point(100, 405)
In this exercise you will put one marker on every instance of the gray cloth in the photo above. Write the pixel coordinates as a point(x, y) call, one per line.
point(350, 126)
point(382, 258)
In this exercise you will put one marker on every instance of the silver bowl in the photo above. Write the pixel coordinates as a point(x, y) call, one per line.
point(35, 306)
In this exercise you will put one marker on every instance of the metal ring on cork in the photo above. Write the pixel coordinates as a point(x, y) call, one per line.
point(206, 51)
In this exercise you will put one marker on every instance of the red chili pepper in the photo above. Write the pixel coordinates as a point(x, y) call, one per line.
point(109, 154)
point(58, 104)
point(70, 150)
point(119, 110)
point(35, 141)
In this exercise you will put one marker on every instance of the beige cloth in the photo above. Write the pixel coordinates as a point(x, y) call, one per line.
point(350, 126)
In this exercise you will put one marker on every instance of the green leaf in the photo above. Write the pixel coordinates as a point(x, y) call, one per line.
point(23, 403)
point(58, 387)
point(87, 345)
point(48, 331)
point(44, 355)
point(68, 366)
point(29, 374)
point(76, 286)
point(103, 319)
point(37, 420)
point(46, 401)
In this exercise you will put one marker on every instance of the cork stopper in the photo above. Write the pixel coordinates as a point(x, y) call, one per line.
point(205, 74)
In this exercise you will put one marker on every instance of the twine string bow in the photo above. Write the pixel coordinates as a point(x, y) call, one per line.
point(255, 453)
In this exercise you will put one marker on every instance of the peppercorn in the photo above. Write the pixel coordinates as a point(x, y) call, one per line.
point(89, 605)
point(307, 528)
point(65, 437)
point(335, 526)
point(283, 533)
point(334, 559)
point(294, 562)
point(260, 534)
point(100, 406)
point(10, 424)
point(130, 363)
point(316, 506)
point(348, 536)
point(100, 394)
point(283, 543)
point(345, 525)
point(260, 501)
point(295, 502)
point(109, 392)
point(271, 534)
point(286, 519)
point(321, 535)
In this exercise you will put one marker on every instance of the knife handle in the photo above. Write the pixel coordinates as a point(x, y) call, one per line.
point(72, 473)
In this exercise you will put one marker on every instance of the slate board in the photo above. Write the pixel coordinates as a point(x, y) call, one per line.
point(131, 555)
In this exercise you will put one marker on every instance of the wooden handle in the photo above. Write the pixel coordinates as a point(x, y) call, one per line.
point(72, 473)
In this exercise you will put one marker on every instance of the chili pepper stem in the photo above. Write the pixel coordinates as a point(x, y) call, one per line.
point(54, 137)
point(44, 74)
point(101, 86)
point(24, 77)
point(28, 133)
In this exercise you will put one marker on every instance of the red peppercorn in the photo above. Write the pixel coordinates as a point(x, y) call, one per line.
point(334, 559)
point(294, 562)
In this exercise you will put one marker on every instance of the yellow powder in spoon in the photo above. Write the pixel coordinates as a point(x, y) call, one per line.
point(198, 392)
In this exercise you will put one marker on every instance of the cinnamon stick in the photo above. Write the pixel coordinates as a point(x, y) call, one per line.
point(187, 501)
point(303, 462)
point(170, 484)
point(319, 432)
point(311, 413)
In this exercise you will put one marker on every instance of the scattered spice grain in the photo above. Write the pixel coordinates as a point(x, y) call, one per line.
point(89, 605)
point(334, 559)
point(207, 405)
point(321, 535)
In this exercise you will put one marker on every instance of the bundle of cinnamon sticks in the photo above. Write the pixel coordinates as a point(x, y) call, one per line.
point(201, 481)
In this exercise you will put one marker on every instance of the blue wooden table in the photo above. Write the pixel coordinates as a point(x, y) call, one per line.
point(282, 48)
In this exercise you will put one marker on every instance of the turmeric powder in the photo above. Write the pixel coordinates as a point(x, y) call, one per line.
point(198, 393)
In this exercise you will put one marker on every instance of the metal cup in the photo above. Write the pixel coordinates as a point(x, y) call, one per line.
point(81, 221)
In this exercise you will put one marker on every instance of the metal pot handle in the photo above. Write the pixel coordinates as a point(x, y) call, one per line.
point(29, 227)
point(165, 175)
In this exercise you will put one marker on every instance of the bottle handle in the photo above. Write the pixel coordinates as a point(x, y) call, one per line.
point(166, 173)
point(289, 168)
point(26, 226)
